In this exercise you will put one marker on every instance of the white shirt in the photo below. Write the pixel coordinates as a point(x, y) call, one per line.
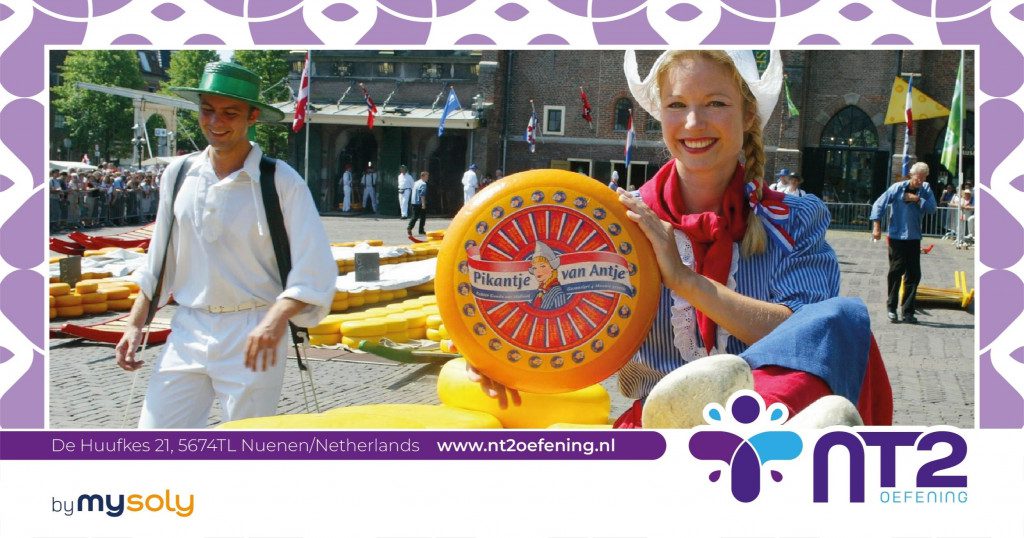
point(405, 181)
point(370, 180)
point(346, 179)
point(221, 252)
point(469, 180)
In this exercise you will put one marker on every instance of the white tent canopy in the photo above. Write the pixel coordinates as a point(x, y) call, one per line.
point(67, 165)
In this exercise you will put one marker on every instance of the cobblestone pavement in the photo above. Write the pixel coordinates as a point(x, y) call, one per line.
point(931, 365)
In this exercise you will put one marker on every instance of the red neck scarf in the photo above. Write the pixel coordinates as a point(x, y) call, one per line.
point(711, 234)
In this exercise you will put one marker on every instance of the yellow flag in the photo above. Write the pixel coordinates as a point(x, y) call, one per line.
point(924, 107)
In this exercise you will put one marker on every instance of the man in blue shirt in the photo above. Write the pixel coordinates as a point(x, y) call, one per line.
point(419, 203)
point(910, 199)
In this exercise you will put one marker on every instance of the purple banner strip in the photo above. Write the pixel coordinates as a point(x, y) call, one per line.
point(331, 445)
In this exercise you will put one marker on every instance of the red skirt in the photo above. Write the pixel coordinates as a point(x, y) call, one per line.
point(796, 390)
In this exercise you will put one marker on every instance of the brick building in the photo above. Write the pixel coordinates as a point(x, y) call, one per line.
point(839, 141)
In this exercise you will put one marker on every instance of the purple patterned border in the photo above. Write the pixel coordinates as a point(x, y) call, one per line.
point(585, 23)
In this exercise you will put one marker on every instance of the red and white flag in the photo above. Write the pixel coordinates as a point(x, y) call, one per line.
point(371, 108)
point(910, 106)
point(586, 107)
point(531, 129)
point(303, 103)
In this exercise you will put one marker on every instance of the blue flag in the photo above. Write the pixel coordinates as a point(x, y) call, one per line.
point(450, 105)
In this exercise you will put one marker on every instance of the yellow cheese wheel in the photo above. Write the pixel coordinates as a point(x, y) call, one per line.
point(340, 306)
point(53, 312)
point(418, 333)
point(93, 298)
point(589, 405)
point(396, 323)
point(432, 334)
point(324, 339)
point(120, 305)
point(353, 342)
point(132, 287)
point(442, 331)
point(377, 311)
point(427, 287)
point(398, 336)
point(326, 326)
point(374, 417)
point(68, 300)
point(83, 288)
point(436, 234)
point(371, 296)
point(96, 275)
point(59, 288)
point(546, 285)
point(339, 295)
point(447, 346)
point(401, 294)
point(433, 321)
point(364, 327)
point(387, 296)
point(355, 301)
point(69, 311)
point(94, 308)
point(375, 242)
point(53, 301)
point(414, 319)
point(115, 292)
point(430, 309)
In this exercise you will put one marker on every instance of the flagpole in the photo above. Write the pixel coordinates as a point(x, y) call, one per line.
point(960, 159)
point(309, 119)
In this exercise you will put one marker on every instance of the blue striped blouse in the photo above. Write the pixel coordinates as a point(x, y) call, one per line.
point(808, 274)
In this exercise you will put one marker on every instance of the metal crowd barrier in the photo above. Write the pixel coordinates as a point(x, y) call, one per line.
point(76, 209)
point(847, 216)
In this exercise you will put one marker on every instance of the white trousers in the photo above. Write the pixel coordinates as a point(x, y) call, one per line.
point(467, 193)
point(368, 193)
point(205, 357)
point(346, 203)
point(403, 202)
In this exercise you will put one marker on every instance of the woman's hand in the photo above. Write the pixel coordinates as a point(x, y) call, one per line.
point(493, 389)
point(662, 237)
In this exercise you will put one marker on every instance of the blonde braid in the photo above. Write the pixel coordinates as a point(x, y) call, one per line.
point(754, 241)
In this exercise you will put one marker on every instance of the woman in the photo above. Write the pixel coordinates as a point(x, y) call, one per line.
point(723, 239)
point(745, 270)
point(544, 266)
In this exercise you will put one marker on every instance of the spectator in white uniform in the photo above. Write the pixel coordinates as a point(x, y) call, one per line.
point(469, 183)
point(346, 188)
point(405, 183)
point(228, 332)
point(370, 185)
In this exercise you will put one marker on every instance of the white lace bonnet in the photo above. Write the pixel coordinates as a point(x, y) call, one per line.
point(765, 88)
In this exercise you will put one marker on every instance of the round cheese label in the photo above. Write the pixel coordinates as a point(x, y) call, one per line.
point(544, 284)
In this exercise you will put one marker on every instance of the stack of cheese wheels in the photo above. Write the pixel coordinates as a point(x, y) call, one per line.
point(93, 300)
point(398, 322)
point(544, 284)
point(589, 405)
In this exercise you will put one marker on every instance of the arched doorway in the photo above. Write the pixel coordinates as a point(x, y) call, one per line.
point(360, 150)
point(847, 165)
point(446, 166)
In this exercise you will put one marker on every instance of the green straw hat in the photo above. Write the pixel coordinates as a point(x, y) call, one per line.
point(229, 79)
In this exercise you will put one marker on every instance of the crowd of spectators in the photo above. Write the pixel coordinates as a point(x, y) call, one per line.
point(106, 196)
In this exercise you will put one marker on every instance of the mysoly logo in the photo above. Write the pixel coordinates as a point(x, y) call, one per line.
point(753, 441)
point(115, 505)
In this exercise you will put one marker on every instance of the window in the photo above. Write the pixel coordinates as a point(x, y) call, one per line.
point(581, 166)
point(652, 125)
point(58, 121)
point(632, 177)
point(850, 127)
point(622, 108)
point(554, 120)
point(343, 69)
point(385, 69)
point(431, 71)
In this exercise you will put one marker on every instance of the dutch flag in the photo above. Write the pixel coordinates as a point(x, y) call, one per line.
point(630, 139)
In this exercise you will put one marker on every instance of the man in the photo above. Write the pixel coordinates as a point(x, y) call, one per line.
point(419, 203)
point(469, 183)
point(910, 200)
point(58, 183)
point(793, 182)
point(346, 188)
point(405, 183)
point(781, 180)
point(370, 185)
point(228, 332)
